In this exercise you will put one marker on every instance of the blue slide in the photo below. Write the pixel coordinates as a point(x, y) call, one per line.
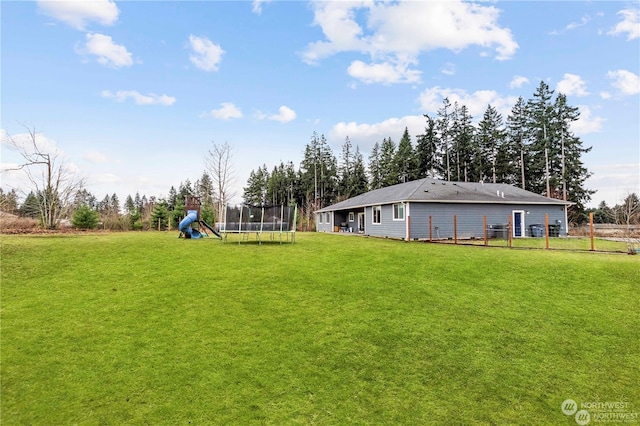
point(189, 232)
point(185, 225)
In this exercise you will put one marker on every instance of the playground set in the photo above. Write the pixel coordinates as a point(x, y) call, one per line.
point(275, 223)
point(192, 207)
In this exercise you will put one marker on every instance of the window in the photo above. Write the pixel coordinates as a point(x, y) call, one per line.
point(351, 217)
point(376, 214)
point(327, 218)
point(398, 211)
point(320, 215)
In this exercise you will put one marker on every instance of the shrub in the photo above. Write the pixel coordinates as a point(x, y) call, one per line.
point(85, 218)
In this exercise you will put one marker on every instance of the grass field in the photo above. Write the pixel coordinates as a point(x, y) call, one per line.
point(144, 328)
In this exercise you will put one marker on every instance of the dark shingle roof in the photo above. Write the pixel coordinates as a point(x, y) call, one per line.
point(439, 191)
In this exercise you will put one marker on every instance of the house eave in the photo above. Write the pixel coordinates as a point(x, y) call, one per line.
point(551, 202)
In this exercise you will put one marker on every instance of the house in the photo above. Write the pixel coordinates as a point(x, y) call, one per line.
point(436, 209)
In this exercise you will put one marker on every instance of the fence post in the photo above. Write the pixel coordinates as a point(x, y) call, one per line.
point(455, 229)
point(430, 230)
point(484, 221)
point(591, 231)
point(546, 231)
point(509, 236)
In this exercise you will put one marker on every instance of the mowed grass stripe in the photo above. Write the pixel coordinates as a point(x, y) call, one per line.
point(144, 328)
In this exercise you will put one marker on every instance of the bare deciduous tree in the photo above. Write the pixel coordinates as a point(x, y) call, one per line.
point(219, 165)
point(52, 179)
point(628, 216)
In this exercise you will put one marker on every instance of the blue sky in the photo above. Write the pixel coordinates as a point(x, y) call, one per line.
point(133, 93)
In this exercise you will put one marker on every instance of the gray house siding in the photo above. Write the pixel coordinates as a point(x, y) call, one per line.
point(337, 219)
point(469, 218)
point(387, 226)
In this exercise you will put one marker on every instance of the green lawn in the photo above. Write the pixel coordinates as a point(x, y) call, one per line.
point(146, 328)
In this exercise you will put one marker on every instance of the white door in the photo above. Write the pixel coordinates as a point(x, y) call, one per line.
point(360, 222)
point(518, 223)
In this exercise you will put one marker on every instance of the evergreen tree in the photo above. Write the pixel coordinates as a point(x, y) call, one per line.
point(405, 159)
point(346, 170)
point(129, 206)
point(160, 215)
point(444, 132)
point(255, 192)
point(375, 173)
point(30, 207)
point(318, 173)
point(539, 116)
point(104, 206)
point(359, 184)
point(462, 134)
point(427, 159)
point(114, 205)
point(178, 213)
point(85, 217)
point(138, 202)
point(185, 190)
point(388, 169)
point(568, 169)
point(490, 139)
point(84, 197)
point(277, 185)
point(171, 199)
point(517, 149)
point(205, 189)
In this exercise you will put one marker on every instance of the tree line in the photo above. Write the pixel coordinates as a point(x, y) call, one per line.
point(533, 148)
point(58, 194)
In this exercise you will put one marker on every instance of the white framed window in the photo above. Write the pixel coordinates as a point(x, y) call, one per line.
point(327, 218)
point(377, 210)
point(352, 217)
point(398, 211)
point(320, 216)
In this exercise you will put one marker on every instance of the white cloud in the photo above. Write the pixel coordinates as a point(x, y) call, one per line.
point(448, 69)
point(385, 73)
point(206, 55)
point(95, 157)
point(79, 13)
point(614, 182)
point(518, 81)
point(605, 95)
point(572, 84)
point(365, 135)
point(587, 123)
point(285, 115)
point(625, 81)
point(108, 178)
point(108, 52)
point(630, 24)
point(397, 33)
point(431, 100)
point(140, 99)
point(227, 111)
point(24, 141)
point(583, 21)
point(256, 6)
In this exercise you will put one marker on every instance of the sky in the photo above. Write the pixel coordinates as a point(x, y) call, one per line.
point(132, 94)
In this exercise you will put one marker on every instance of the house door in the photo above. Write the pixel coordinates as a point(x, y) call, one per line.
point(518, 223)
point(360, 222)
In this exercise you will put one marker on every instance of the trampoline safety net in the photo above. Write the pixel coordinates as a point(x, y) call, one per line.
point(275, 222)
